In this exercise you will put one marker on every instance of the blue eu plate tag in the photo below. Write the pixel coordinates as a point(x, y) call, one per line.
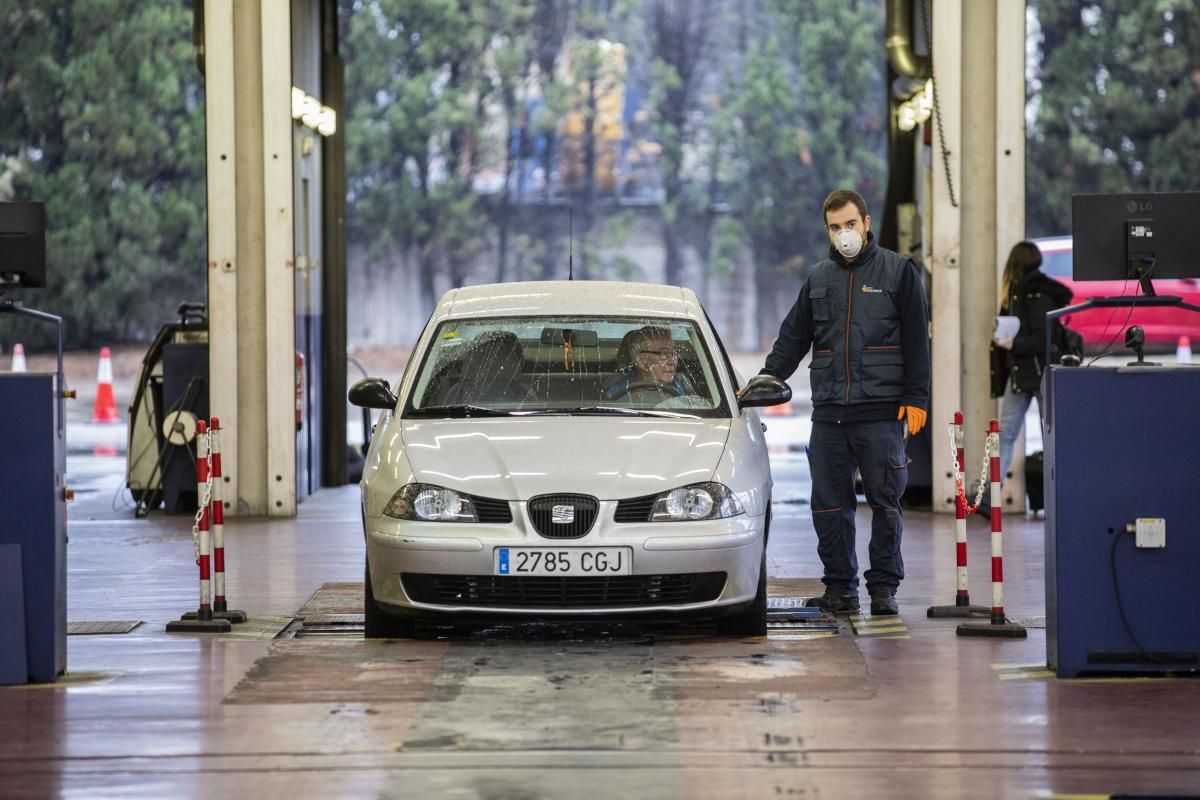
point(503, 568)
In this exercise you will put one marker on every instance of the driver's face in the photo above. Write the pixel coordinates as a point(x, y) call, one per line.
point(655, 360)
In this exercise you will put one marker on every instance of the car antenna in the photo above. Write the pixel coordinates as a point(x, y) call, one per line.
point(571, 243)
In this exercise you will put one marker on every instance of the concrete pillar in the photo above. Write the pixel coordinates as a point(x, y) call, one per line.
point(944, 252)
point(251, 267)
point(1010, 178)
point(220, 134)
point(981, 93)
point(977, 290)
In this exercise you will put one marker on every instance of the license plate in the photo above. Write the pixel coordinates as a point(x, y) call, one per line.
point(566, 562)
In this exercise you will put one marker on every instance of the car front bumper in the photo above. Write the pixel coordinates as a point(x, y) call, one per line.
point(732, 546)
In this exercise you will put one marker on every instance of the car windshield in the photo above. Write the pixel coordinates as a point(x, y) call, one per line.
point(645, 366)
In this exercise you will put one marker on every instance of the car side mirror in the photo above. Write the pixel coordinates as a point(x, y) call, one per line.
point(764, 390)
point(372, 393)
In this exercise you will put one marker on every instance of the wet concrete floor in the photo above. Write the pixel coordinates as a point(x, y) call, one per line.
point(884, 707)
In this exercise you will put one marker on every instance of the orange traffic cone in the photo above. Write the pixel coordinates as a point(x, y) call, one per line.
point(1183, 353)
point(18, 358)
point(781, 410)
point(105, 409)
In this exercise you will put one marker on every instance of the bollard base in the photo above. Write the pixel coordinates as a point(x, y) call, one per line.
point(199, 625)
point(233, 615)
point(1003, 630)
point(957, 612)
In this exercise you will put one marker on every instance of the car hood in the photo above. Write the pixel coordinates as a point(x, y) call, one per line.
point(606, 457)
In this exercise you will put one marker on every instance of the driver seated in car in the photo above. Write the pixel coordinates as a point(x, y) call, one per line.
point(651, 367)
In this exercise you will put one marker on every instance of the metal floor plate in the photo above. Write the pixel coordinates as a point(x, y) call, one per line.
point(88, 628)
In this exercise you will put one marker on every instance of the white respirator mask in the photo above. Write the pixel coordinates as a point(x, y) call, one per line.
point(849, 242)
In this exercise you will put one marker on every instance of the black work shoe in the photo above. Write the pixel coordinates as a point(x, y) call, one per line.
point(883, 602)
point(834, 603)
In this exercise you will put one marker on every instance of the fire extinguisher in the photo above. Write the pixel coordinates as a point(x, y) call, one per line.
point(299, 390)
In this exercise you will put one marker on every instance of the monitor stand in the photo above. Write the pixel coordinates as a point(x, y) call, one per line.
point(1143, 276)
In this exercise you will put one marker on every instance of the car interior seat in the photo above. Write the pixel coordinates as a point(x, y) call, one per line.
point(492, 371)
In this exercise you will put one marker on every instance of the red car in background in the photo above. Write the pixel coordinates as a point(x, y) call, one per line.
point(1163, 325)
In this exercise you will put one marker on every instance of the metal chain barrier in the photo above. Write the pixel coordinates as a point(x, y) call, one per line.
point(958, 474)
point(202, 505)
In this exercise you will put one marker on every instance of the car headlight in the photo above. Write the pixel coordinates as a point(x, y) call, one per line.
point(428, 503)
point(696, 502)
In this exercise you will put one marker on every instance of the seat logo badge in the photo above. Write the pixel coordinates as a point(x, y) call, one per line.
point(562, 515)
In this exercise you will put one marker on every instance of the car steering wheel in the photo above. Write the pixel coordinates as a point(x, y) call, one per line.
point(661, 386)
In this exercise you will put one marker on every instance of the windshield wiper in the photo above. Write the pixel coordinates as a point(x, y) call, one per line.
point(634, 412)
point(457, 412)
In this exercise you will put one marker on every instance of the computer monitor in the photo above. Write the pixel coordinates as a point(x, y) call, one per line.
point(1149, 235)
point(22, 245)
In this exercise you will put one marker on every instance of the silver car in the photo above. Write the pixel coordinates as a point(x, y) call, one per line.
point(566, 450)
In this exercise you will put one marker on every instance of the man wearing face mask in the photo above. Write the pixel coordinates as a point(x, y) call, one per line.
point(863, 313)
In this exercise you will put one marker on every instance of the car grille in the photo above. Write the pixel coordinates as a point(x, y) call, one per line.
point(521, 591)
point(635, 509)
point(563, 516)
point(489, 510)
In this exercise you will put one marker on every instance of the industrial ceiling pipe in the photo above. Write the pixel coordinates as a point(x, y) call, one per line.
point(899, 40)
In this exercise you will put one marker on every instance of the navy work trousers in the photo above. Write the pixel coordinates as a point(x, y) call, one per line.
point(877, 450)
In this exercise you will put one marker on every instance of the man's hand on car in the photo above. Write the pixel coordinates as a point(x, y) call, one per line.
point(762, 379)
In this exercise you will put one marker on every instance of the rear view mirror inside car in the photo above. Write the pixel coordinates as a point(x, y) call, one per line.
point(572, 336)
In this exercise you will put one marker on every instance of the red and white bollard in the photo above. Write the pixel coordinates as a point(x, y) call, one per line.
point(217, 515)
point(203, 618)
point(997, 526)
point(962, 598)
point(217, 522)
point(999, 626)
point(205, 611)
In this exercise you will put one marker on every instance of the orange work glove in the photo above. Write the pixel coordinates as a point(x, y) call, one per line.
point(916, 418)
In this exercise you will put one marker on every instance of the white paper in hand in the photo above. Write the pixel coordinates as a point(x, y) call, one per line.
point(1006, 328)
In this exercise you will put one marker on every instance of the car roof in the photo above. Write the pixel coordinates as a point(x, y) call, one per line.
point(599, 298)
point(1054, 244)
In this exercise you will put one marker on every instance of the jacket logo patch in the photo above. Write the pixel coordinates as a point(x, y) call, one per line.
point(870, 290)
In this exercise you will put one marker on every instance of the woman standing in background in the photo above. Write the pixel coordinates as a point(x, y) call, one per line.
point(1027, 294)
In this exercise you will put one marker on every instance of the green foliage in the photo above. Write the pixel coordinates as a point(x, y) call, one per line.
point(810, 122)
point(617, 230)
point(1116, 104)
point(101, 118)
point(727, 238)
point(749, 113)
point(414, 88)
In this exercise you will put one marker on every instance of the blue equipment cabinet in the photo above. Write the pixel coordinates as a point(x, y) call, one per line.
point(32, 470)
point(1122, 444)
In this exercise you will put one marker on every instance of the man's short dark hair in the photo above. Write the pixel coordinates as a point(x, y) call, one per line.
point(840, 198)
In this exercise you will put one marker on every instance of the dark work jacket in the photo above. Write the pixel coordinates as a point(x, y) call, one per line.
point(1031, 299)
point(867, 325)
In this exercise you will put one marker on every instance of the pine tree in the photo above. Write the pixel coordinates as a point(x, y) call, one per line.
point(102, 119)
point(1115, 104)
